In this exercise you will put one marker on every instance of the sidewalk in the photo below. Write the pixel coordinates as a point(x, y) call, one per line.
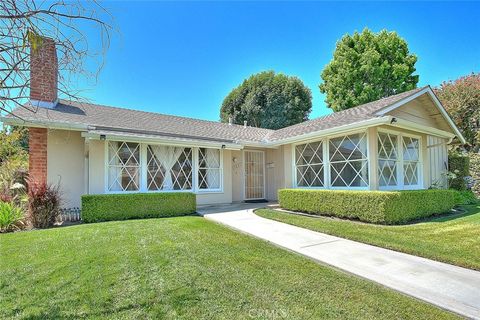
point(450, 287)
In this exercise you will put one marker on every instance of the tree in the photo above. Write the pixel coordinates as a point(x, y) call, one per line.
point(461, 98)
point(268, 100)
point(23, 23)
point(366, 67)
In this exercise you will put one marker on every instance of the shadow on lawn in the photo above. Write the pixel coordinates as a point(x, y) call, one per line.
point(462, 212)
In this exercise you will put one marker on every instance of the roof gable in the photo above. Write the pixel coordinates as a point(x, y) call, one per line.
point(425, 107)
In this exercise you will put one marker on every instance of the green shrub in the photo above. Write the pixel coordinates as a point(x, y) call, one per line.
point(385, 207)
point(466, 197)
point(459, 165)
point(105, 207)
point(11, 217)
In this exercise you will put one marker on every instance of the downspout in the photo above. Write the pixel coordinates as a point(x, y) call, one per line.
point(86, 169)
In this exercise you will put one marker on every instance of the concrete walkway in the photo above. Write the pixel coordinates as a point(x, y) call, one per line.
point(449, 287)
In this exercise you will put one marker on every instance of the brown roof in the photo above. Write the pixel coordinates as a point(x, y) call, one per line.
point(112, 119)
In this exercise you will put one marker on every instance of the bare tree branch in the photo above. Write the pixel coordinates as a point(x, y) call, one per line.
point(67, 23)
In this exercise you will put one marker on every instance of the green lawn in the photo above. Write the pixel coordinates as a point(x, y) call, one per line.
point(453, 239)
point(184, 267)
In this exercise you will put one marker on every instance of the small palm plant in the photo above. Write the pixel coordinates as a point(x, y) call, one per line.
point(11, 217)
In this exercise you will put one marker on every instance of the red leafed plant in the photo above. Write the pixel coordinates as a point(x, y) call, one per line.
point(43, 204)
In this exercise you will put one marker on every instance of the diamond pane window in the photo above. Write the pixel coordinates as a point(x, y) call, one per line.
point(169, 168)
point(309, 164)
point(209, 171)
point(349, 161)
point(411, 160)
point(123, 166)
point(387, 159)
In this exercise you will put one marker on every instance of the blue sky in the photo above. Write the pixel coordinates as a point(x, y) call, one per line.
point(183, 58)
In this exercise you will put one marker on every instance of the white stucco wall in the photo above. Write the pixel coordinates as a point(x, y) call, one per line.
point(237, 175)
point(274, 172)
point(96, 170)
point(65, 165)
point(226, 195)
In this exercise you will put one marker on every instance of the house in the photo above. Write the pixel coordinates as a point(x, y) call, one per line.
point(396, 143)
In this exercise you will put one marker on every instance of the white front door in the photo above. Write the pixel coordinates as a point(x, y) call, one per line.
point(254, 175)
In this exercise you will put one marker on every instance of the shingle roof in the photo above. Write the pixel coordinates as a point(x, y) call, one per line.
point(140, 122)
point(105, 117)
point(353, 115)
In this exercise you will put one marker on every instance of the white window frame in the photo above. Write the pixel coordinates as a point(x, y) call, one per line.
point(143, 188)
point(397, 161)
point(400, 171)
point(220, 169)
point(326, 161)
point(107, 165)
point(294, 147)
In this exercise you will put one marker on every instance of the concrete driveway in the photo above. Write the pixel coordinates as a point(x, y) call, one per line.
point(453, 288)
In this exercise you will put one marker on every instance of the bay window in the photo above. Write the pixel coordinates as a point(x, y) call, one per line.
point(387, 160)
point(399, 165)
point(411, 161)
point(123, 166)
point(169, 168)
point(349, 161)
point(309, 164)
point(209, 171)
point(147, 167)
point(345, 159)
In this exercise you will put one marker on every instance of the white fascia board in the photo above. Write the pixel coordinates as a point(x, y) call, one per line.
point(172, 142)
point(265, 145)
point(410, 125)
point(446, 116)
point(345, 128)
point(400, 103)
point(45, 124)
point(437, 103)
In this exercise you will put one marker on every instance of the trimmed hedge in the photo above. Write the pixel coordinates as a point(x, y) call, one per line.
point(459, 164)
point(383, 207)
point(105, 207)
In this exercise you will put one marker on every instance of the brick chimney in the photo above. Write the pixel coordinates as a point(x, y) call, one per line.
point(44, 74)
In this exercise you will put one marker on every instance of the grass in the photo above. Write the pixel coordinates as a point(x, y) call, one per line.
point(454, 239)
point(180, 268)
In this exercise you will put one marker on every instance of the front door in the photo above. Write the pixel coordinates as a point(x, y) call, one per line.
point(254, 175)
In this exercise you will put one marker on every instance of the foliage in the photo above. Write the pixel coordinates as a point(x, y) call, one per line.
point(25, 23)
point(13, 163)
point(268, 100)
point(459, 165)
point(466, 197)
point(369, 206)
point(451, 238)
point(43, 204)
point(475, 172)
point(13, 144)
point(182, 268)
point(105, 207)
point(368, 66)
point(461, 98)
point(11, 217)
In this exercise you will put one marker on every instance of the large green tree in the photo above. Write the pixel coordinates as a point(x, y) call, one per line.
point(268, 100)
point(368, 66)
point(461, 98)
